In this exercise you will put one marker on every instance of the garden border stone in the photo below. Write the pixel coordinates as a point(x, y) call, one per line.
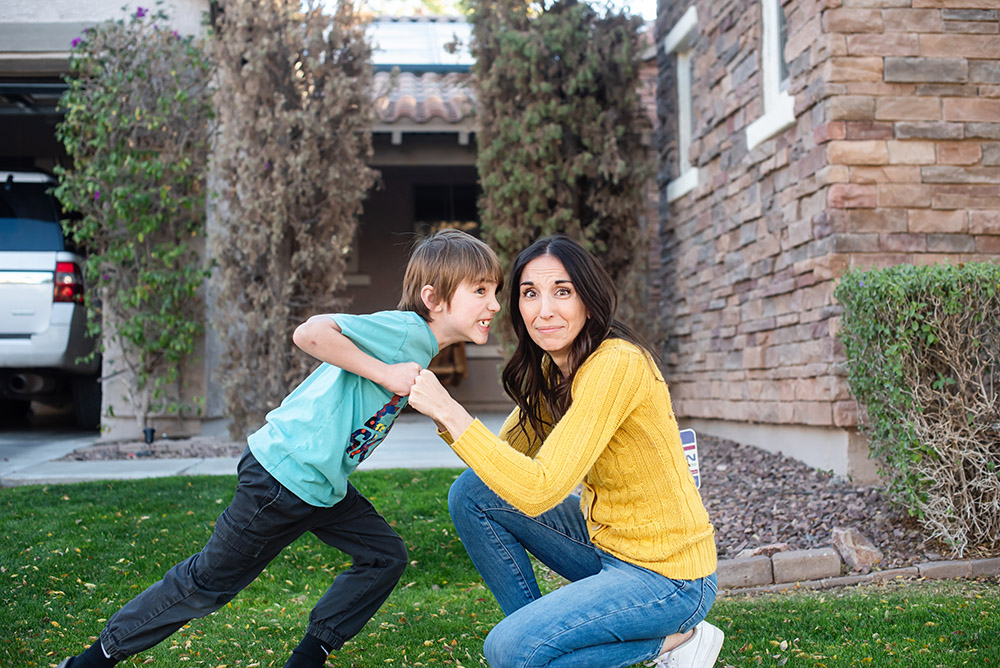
point(751, 575)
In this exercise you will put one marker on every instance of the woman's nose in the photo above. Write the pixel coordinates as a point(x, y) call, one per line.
point(545, 307)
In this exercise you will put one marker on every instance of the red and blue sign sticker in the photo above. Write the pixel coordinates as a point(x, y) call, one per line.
point(690, 444)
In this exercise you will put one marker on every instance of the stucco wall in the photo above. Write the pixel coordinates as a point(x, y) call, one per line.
point(186, 14)
point(35, 36)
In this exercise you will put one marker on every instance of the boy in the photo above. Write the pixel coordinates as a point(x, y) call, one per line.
point(293, 475)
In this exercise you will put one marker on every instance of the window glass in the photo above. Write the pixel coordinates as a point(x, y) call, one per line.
point(28, 234)
point(783, 75)
point(27, 200)
point(449, 205)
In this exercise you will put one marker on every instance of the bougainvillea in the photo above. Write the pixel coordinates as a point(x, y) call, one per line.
point(137, 125)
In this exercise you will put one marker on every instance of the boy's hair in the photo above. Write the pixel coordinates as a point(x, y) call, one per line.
point(444, 260)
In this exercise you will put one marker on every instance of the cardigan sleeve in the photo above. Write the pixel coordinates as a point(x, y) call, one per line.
point(509, 432)
point(607, 388)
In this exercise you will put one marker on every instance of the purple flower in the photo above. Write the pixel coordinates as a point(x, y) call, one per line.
point(97, 195)
point(176, 35)
point(267, 165)
point(107, 277)
point(140, 12)
point(76, 42)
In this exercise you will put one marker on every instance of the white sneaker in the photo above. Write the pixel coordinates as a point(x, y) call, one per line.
point(699, 651)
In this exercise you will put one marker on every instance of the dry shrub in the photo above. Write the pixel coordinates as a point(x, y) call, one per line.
point(923, 356)
point(294, 105)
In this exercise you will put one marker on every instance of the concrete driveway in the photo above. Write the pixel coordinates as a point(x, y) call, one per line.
point(46, 435)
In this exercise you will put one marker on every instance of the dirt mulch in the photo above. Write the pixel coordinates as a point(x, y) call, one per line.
point(182, 448)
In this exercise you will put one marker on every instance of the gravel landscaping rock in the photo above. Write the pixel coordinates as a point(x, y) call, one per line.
point(755, 497)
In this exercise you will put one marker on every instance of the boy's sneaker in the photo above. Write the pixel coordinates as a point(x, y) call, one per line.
point(699, 651)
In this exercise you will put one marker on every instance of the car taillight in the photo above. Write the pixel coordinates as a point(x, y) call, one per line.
point(69, 283)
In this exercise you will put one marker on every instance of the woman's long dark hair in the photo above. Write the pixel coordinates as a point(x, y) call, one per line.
point(526, 382)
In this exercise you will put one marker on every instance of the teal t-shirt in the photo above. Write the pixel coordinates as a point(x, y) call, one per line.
point(332, 421)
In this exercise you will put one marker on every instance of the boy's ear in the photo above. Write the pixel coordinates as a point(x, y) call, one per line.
point(430, 298)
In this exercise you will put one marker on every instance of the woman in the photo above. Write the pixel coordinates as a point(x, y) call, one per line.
point(592, 408)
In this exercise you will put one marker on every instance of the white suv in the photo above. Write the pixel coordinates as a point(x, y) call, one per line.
point(42, 316)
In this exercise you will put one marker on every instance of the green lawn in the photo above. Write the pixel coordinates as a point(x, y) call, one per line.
point(73, 554)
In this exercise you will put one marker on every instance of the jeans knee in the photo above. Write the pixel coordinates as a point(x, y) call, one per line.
point(506, 646)
point(462, 495)
point(495, 649)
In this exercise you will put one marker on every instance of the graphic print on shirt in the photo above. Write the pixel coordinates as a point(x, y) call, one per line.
point(364, 440)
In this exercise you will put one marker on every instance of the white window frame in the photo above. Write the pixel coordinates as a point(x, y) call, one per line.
point(680, 40)
point(779, 106)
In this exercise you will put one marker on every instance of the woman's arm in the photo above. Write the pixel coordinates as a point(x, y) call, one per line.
point(430, 398)
point(606, 390)
point(321, 337)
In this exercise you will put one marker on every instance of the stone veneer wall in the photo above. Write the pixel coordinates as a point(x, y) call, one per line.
point(894, 157)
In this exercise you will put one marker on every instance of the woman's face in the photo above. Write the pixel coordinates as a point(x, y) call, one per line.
point(551, 308)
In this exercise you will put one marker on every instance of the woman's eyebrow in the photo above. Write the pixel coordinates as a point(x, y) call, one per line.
point(557, 281)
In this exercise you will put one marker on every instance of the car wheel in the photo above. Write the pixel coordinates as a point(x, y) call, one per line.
point(87, 401)
point(14, 410)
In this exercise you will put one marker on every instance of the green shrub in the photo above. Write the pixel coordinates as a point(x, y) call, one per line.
point(561, 131)
point(137, 127)
point(923, 362)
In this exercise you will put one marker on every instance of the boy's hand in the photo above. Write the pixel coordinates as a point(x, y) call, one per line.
point(399, 378)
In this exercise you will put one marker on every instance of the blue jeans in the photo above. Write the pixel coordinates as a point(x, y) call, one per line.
point(612, 613)
point(263, 518)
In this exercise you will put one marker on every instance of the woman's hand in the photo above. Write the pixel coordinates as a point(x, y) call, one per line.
point(428, 396)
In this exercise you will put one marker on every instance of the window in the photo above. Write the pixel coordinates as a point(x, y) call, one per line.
point(680, 41)
point(779, 106)
point(452, 205)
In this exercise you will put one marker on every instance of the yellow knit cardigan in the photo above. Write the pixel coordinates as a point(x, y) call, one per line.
point(620, 439)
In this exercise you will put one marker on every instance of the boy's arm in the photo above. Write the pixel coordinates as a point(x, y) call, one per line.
point(320, 336)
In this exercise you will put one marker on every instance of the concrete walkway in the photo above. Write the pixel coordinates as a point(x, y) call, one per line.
point(412, 443)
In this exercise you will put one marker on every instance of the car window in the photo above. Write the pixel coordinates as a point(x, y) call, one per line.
point(27, 234)
point(28, 200)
